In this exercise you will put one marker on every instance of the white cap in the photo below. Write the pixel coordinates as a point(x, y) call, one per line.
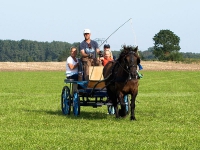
point(86, 31)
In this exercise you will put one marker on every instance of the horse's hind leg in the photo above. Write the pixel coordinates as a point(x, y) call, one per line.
point(116, 110)
point(133, 96)
point(115, 104)
point(113, 99)
point(122, 111)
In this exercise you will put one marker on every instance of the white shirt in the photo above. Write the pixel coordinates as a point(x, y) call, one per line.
point(70, 72)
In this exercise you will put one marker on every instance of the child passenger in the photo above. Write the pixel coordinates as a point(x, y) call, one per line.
point(107, 57)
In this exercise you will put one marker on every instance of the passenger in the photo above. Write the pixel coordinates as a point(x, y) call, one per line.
point(72, 65)
point(107, 57)
point(106, 47)
point(140, 68)
point(89, 50)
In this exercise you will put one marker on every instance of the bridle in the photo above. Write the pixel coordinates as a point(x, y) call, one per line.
point(129, 65)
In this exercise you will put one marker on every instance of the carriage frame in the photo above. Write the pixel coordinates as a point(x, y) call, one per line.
point(88, 93)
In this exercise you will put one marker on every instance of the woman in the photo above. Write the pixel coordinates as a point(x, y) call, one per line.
point(72, 65)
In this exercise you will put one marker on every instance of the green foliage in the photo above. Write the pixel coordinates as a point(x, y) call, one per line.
point(28, 51)
point(148, 54)
point(167, 112)
point(183, 57)
point(166, 46)
point(116, 53)
point(191, 55)
point(191, 60)
point(63, 56)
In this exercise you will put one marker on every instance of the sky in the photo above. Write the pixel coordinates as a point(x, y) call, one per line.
point(65, 20)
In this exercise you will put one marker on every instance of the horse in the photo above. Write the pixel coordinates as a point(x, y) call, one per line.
point(121, 78)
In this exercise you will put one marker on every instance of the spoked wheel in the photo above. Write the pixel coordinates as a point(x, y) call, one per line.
point(111, 110)
point(127, 103)
point(66, 100)
point(76, 104)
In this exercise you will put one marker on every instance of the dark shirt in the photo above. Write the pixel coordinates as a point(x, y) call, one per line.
point(89, 48)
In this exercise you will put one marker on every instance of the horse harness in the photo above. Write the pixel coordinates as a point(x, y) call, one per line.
point(127, 68)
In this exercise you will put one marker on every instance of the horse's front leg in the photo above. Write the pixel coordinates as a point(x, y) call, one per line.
point(133, 97)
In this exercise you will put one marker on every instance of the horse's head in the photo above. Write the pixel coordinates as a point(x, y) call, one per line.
point(130, 59)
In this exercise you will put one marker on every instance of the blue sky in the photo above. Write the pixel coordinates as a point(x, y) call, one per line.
point(65, 20)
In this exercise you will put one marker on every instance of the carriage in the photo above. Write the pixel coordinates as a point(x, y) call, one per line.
point(87, 93)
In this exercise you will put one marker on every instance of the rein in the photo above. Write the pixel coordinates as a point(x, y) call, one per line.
point(123, 67)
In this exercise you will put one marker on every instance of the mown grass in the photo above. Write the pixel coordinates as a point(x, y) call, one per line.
point(167, 112)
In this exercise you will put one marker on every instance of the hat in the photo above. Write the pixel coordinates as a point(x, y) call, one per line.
point(86, 31)
point(106, 46)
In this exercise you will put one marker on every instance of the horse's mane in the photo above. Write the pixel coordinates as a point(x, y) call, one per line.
point(126, 50)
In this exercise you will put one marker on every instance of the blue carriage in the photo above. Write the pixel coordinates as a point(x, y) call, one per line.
point(87, 93)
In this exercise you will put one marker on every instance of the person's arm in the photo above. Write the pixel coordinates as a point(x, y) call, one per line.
point(83, 54)
point(70, 63)
point(96, 46)
point(98, 50)
point(99, 54)
point(82, 51)
point(71, 66)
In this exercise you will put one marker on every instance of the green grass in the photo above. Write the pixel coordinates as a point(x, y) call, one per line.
point(167, 113)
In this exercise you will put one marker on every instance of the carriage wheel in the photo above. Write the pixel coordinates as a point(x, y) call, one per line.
point(66, 100)
point(111, 110)
point(127, 103)
point(76, 104)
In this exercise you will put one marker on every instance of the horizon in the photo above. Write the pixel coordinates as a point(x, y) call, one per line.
point(76, 42)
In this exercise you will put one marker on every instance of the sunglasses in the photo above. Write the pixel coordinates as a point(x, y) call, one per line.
point(89, 46)
point(86, 34)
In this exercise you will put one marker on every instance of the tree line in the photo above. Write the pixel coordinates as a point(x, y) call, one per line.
point(166, 48)
point(33, 51)
point(148, 55)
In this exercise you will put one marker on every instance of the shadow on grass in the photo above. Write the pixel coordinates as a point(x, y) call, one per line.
point(83, 114)
point(88, 115)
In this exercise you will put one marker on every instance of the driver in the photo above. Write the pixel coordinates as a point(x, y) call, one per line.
point(89, 50)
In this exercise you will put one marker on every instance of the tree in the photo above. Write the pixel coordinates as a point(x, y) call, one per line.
point(148, 54)
point(66, 53)
point(166, 46)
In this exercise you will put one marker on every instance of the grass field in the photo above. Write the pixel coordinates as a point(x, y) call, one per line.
point(167, 113)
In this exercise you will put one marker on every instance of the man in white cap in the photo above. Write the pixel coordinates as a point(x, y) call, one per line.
point(89, 50)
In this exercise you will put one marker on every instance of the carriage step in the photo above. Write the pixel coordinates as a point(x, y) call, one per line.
point(95, 105)
point(109, 104)
point(92, 104)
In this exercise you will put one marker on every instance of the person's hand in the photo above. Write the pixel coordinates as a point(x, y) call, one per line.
point(90, 55)
point(100, 54)
point(101, 58)
point(76, 65)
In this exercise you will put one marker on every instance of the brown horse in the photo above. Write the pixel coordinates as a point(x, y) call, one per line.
point(121, 78)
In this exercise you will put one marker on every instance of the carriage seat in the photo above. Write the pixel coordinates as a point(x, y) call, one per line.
point(96, 75)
